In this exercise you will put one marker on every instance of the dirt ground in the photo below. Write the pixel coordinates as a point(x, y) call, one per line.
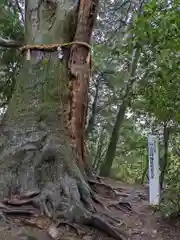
point(127, 205)
point(143, 222)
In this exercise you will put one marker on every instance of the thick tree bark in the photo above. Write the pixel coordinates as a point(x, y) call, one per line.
point(43, 156)
point(42, 133)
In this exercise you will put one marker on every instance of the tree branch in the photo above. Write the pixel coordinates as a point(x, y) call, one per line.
point(9, 43)
point(20, 10)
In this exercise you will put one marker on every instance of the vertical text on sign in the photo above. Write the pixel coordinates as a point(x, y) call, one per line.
point(151, 159)
point(154, 187)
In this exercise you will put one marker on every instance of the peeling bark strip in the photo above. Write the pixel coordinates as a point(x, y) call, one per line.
point(80, 67)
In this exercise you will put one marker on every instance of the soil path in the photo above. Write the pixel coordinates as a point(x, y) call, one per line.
point(143, 222)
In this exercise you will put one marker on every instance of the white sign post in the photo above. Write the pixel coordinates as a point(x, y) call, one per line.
point(154, 170)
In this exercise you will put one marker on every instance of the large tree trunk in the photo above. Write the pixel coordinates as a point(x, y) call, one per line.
point(42, 133)
point(43, 155)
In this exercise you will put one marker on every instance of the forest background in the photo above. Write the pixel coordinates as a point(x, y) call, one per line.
point(134, 89)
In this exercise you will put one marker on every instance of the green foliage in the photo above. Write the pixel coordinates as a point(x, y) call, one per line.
point(158, 26)
point(156, 98)
point(10, 28)
point(131, 155)
point(158, 30)
point(162, 98)
point(170, 205)
point(128, 171)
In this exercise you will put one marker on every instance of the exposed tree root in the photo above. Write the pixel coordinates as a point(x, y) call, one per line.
point(81, 216)
point(94, 182)
point(2, 216)
point(100, 223)
point(116, 221)
point(121, 205)
point(73, 226)
point(78, 215)
point(48, 182)
point(99, 201)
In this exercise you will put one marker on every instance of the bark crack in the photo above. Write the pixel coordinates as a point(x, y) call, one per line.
point(80, 68)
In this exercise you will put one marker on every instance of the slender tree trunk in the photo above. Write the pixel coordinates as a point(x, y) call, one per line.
point(107, 164)
point(145, 171)
point(111, 151)
point(91, 122)
point(42, 133)
point(165, 156)
point(97, 157)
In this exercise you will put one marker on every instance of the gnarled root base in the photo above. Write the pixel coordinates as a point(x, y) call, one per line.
point(45, 176)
